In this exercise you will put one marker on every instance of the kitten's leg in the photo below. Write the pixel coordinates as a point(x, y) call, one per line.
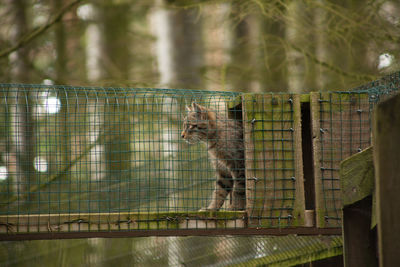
point(239, 192)
point(222, 188)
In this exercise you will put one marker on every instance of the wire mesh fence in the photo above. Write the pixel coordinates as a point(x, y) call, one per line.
point(174, 251)
point(123, 159)
point(274, 160)
point(79, 153)
point(342, 127)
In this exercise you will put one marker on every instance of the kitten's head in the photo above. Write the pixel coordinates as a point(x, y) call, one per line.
point(199, 124)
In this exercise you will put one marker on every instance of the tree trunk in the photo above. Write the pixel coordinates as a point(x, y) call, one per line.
point(296, 68)
point(245, 70)
point(19, 58)
point(108, 60)
point(179, 46)
point(274, 78)
point(321, 50)
point(94, 41)
point(21, 157)
point(115, 66)
point(61, 76)
point(180, 56)
point(60, 46)
point(217, 44)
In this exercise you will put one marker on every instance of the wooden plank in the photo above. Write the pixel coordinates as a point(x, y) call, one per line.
point(272, 133)
point(305, 98)
point(387, 179)
point(341, 127)
point(357, 186)
point(315, 125)
point(299, 204)
point(358, 239)
point(56, 223)
point(173, 232)
point(357, 177)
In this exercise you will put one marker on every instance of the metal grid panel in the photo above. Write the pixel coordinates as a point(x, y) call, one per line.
point(112, 159)
point(78, 159)
point(341, 128)
point(174, 251)
point(381, 88)
point(275, 188)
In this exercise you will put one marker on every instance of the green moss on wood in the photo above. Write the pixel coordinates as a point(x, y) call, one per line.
point(234, 102)
point(340, 120)
point(305, 98)
point(120, 221)
point(357, 176)
point(270, 152)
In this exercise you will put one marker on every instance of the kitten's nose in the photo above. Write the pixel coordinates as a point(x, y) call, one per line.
point(183, 134)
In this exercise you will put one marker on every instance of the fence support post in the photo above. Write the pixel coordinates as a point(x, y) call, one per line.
point(357, 186)
point(387, 179)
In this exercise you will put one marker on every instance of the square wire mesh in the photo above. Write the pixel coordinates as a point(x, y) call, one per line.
point(341, 129)
point(115, 159)
point(275, 188)
point(87, 157)
point(342, 124)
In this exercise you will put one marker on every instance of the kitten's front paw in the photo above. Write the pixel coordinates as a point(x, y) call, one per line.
point(236, 207)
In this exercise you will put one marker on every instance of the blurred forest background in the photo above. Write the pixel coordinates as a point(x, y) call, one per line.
point(257, 46)
point(247, 46)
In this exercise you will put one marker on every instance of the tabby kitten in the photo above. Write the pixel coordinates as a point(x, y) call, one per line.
point(224, 140)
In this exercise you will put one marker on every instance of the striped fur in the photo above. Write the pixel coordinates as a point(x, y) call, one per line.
point(224, 140)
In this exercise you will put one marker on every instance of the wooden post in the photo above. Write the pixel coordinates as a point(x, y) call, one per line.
point(340, 128)
point(387, 179)
point(274, 167)
point(357, 186)
point(359, 240)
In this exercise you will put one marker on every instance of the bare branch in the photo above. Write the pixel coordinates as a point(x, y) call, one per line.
point(312, 57)
point(37, 32)
point(328, 66)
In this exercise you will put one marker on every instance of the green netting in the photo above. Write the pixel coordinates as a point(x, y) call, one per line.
point(173, 251)
point(343, 127)
point(69, 150)
point(275, 182)
point(77, 159)
point(343, 120)
point(102, 150)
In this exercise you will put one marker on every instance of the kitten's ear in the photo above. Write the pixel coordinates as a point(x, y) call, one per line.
point(197, 107)
point(202, 112)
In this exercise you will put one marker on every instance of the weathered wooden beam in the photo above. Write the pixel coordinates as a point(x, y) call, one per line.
point(173, 232)
point(357, 186)
point(359, 241)
point(387, 179)
point(274, 167)
point(341, 128)
point(135, 224)
point(357, 177)
point(316, 149)
point(81, 222)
